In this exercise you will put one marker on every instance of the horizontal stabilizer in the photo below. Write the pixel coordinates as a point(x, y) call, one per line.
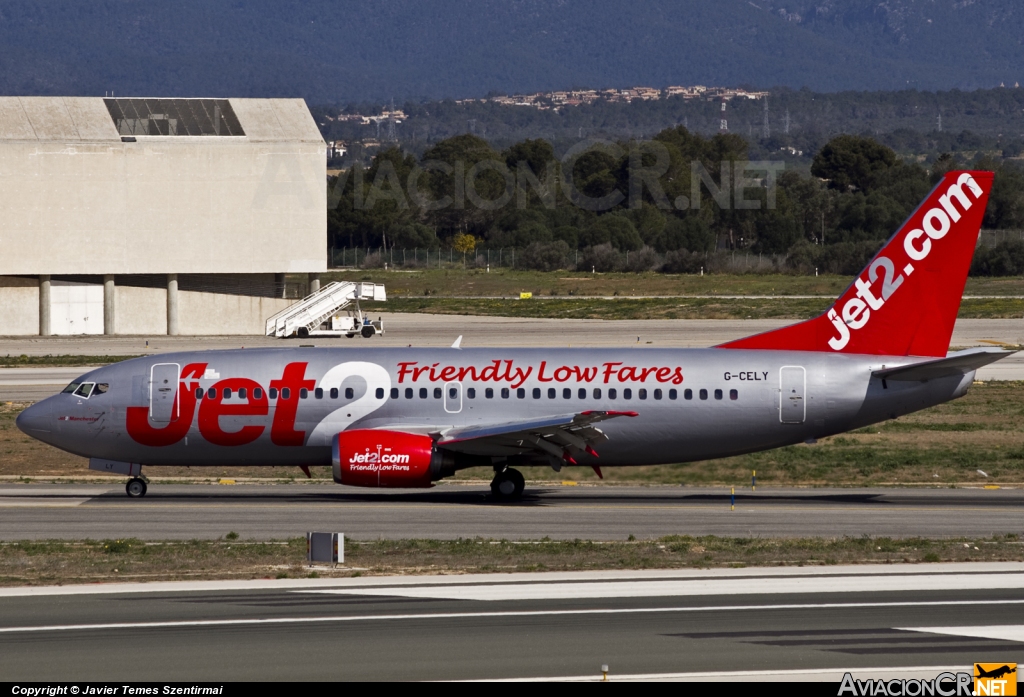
point(959, 363)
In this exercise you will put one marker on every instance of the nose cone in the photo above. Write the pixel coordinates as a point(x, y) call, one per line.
point(38, 420)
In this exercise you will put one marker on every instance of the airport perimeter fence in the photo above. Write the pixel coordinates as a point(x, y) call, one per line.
point(602, 258)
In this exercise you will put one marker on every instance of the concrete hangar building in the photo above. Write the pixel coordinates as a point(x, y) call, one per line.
point(154, 216)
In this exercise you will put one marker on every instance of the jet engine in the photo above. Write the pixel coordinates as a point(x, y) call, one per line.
point(388, 459)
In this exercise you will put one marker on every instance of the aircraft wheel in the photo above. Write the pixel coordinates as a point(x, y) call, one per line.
point(508, 485)
point(135, 488)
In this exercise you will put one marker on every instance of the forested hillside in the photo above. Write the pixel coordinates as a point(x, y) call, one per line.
point(655, 204)
point(333, 52)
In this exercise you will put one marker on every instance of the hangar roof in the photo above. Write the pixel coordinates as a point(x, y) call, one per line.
point(95, 119)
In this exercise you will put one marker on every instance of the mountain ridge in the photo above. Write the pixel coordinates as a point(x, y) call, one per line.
point(336, 52)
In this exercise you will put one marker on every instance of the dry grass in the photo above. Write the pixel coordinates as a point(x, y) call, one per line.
point(60, 562)
point(507, 283)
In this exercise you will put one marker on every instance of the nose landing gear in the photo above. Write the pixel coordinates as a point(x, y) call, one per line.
point(508, 485)
point(136, 487)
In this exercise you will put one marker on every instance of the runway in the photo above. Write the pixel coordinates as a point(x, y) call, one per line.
point(734, 624)
point(452, 511)
point(33, 384)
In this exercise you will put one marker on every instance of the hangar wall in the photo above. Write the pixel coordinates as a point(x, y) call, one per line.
point(142, 311)
point(86, 190)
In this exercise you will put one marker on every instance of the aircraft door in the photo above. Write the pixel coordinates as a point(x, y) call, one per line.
point(792, 397)
point(163, 392)
point(453, 397)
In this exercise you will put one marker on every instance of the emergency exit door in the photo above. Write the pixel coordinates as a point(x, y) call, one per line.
point(792, 397)
point(453, 397)
point(163, 393)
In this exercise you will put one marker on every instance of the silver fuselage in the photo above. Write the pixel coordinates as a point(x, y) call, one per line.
point(752, 400)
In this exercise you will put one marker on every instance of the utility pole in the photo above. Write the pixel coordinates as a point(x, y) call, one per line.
point(767, 131)
point(786, 128)
point(723, 124)
point(391, 136)
point(940, 122)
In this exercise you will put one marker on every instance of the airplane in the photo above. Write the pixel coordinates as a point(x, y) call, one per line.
point(408, 417)
point(995, 672)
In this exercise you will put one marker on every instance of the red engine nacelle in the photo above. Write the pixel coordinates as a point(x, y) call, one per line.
point(385, 459)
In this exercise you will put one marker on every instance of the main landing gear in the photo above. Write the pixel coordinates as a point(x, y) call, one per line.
point(508, 484)
point(136, 487)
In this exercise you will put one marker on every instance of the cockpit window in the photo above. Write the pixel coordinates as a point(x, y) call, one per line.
point(70, 388)
point(101, 388)
point(85, 389)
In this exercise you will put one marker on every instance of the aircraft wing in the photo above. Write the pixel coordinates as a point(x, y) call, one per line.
point(555, 438)
point(958, 363)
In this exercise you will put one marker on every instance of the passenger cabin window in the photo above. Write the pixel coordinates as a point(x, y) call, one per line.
point(612, 393)
point(718, 394)
point(703, 394)
point(627, 393)
point(672, 394)
point(453, 393)
point(551, 393)
point(409, 392)
point(536, 393)
point(334, 393)
point(471, 393)
point(583, 393)
point(318, 393)
point(199, 393)
point(423, 393)
point(489, 393)
point(437, 393)
point(227, 393)
point(273, 393)
point(303, 393)
point(242, 392)
point(505, 394)
point(349, 393)
point(641, 393)
point(734, 395)
point(211, 393)
point(521, 393)
point(286, 393)
point(657, 394)
point(566, 393)
point(379, 393)
point(257, 393)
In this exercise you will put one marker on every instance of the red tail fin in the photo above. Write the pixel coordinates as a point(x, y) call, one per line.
point(905, 302)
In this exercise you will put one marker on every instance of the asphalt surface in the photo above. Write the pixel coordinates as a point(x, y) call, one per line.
point(909, 621)
point(33, 384)
point(454, 511)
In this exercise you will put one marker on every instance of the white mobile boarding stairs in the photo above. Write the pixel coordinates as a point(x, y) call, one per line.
point(320, 313)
